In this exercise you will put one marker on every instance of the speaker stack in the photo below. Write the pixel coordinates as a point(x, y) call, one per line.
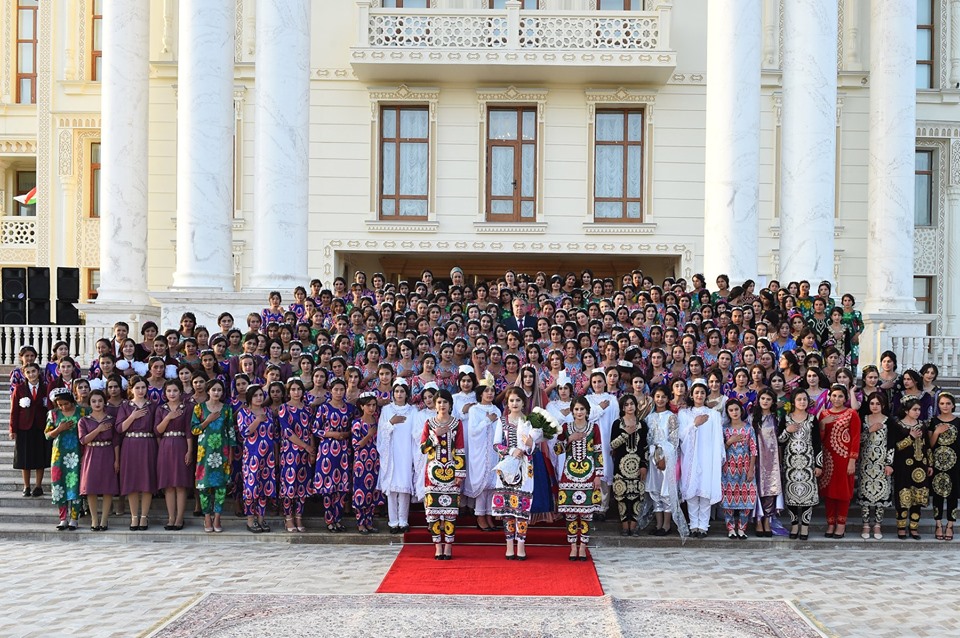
point(13, 308)
point(68, 294)
point(38, 296)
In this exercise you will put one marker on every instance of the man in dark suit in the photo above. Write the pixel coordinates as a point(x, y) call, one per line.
point(28, 417)
point(519, 319)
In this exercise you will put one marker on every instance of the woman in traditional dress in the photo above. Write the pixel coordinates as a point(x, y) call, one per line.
point(737, 474)
point(945, 481)
point(215, 428)
point(802, 462)
point(334, 474)
point(769, 484)
point(664, 440)
point(28, 417)
point(628, 446)
point(297, 455)
point(840, 436)
point(910, 467)
point(911, 387)
point(480, 428)
point(398, 445)
point(366, 462)
point(101, 460)
point(257, 430)
point(515, 441)
point(874, 486)
point(702, 455)
point(62, 429)
point(175, 456)
point(138, 452)
point(544, 506)
point(605, 410)
point(442, 441)
point(579, 495)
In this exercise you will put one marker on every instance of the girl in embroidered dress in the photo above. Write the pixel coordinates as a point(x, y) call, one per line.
point(737, 478)
point(579, 496)
point(442, 441)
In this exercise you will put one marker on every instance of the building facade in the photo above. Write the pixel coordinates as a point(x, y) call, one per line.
point(269, 141)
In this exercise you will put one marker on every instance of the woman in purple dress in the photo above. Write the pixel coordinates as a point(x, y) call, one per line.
point(297, 455)
point(366, 463)
point(138, 452)
point(258, 434)
point(175, 456)
point(333, 474)
point(101, 460)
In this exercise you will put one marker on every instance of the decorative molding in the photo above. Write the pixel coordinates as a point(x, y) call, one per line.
point(239, 247)
point(82, 37)
point(930, 242)
point(497, 228)
point(402, 227)
point(333, 74)
point(688, 78)
point(592, 228)
point(841, 7)
point(166, 39)
point(403, 93)
point(238, 33)
point(79, 121)
point(937, 129)
point(18, 256)
point(955, 163)
point(617, 96)
point(7, 90)
point(837, 231)
point(944, 61)
point(511, 95)
point(44, 144)
point(24, 147)
point(780, 38)
point(86, 229)
point(66, 152)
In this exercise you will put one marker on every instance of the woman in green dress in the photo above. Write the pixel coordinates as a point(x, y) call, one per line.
point(65, 460)
point(213, 425)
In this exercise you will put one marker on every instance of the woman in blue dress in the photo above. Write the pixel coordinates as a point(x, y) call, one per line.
point(333, 475)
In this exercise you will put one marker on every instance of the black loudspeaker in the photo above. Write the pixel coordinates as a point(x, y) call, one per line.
point(14, 283)
point(38, 312)
point(67, 314)
point(38, 283)
point(13, 311)
point(68, 284)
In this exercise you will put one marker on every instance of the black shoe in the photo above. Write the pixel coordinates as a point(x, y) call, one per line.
point(768, 534)
point(572, 559)
point(793, 535)
point(26, 491)
point(363, 531)
point(828, 535)
point(37, 491)
point(839, 536)
point(404, 529)
point(522, 558)
point(803, 537)
point(624, 532)
point(914, 535)
point(394, 530)
point(438, 557)
point(655, 531)
point(169, 528)
point(582, 559)
point(511, 557)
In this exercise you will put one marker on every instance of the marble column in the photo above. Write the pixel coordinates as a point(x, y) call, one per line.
point(281, 144)
point(123, 147)
point(732, 162)
point(205, 128)
point(808, 152)
point(953, 258)
point(890, 308)
point(955, 44)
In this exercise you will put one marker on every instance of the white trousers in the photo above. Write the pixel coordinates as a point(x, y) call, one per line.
point(699, 509)
point(398, 509)
point(484, 503)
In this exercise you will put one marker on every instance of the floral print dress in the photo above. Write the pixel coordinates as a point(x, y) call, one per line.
point(213, 447)
point(65, 459)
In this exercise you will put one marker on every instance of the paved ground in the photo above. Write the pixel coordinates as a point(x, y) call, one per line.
point(107, 589)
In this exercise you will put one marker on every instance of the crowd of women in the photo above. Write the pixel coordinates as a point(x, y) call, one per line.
point(524, 400)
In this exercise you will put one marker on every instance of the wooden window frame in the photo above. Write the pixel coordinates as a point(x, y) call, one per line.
point(625, 144)
point(94, 172)
point(517, 145)
point(928, 174)
point(627, 6)
point(400, 5)
point(397, 141)
point(95, 54)
point(91, 290)
point(19, 192)
point(489, 4)
point(31, 76)
point(929, 62)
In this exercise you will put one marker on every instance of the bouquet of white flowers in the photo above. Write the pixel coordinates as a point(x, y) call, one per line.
point(544, 421)
point(25, 402)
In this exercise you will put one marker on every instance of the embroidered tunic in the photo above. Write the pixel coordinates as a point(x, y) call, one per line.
point(874, 487)
point(802, 455)
point(446, 462)
point(840, 436)
point(739, 492)
point(629, 456)
point(583, 463)
point(513, 496)
point(945, 481)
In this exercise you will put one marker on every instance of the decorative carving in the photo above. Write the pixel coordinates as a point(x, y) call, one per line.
point(944, 62)
point(5, 82)
point(780, 34)
point(80, 121)
point(25, 147)
point(239, 247)
point(617, 96)
point(18, 231)
point(335, 74)
point(487, 228)
point(840, 19)
point(397, 227)
point(640, 33)
point(590, 228)
point(86, 230)
point(238, 33)
point(955, 162)
point(18, 255)
point(166, 40)
point(930, 243)
point(404, 93)
point(66, 152)
point(44, 144)
point(511, 94)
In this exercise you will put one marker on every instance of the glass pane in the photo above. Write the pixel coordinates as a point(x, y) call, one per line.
point(526, 210)
point(503, 125)
point(413, 123)
point(95, 204)
point(608, 210)
point(613, 5)
point(98, 7)
point(501, 207)
point(26, 89)
point(388, 123)
point(415, 4)
point(389, 170)
point(609, 172)
point(501, 171)
point(413, 169)
point(25, 24)
point(26, 180)
point(635, 127)
point(98, 35)
point(25, 58)
point(634, 171)
point(924, 76)
point(633, 210)
point(98, 66)
point(413, 207)
point(921, 211)
point(924, 44)
point(924, 11)
point(529, 125)
point(95, 153)
point(609, 127)
point(28, 3)
point(528, 163)
point(388, 207)
point(923, 159)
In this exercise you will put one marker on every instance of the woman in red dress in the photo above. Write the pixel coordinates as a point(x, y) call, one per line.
point(840, 434)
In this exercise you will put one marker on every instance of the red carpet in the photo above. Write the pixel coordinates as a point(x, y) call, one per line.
point(467, 532)
point(483, 571)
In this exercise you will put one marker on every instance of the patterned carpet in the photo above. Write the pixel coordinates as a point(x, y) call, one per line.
point(394, 616)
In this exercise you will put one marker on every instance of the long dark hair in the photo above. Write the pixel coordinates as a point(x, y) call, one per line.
point(757, 412)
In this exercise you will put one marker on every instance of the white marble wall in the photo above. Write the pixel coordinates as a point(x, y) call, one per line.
point(809, 140)
point(731, 182)
point(205, 128)
point(890, 170)
point(123, 205)
point(281, 144)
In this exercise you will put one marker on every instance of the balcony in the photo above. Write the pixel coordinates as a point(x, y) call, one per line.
point(514, 45)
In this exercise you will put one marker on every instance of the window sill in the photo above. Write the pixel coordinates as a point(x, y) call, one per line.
point(401, 226)
point(837, 231)
point(81, 87)
point(620, 228)
point(527, 228)
point(948, 95)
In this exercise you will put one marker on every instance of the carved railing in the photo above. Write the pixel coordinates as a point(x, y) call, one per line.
point(18, 231)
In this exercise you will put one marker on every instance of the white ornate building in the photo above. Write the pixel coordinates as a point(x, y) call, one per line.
point(194, 154)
